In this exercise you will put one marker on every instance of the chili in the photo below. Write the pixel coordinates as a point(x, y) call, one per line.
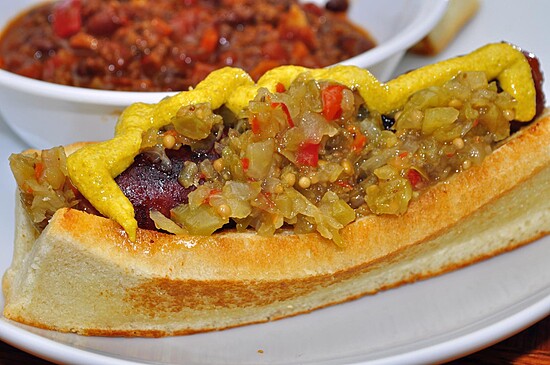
point(170, 45)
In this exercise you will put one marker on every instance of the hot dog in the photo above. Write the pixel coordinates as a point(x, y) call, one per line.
point(307, 189)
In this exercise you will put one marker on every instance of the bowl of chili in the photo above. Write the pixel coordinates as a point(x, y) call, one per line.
point(79, 63)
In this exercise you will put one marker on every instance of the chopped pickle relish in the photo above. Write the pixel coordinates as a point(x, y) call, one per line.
point(314, 157)
point(298, 151)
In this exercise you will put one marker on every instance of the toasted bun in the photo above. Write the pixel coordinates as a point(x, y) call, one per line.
point(82, 274)
point(457, 15)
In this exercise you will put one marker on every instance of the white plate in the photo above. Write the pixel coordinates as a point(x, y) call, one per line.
point(430, 321)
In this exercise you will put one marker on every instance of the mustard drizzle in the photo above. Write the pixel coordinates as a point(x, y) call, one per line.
point(93, 168)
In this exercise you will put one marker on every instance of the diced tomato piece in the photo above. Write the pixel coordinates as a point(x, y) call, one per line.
point(287, 112)
point(414, 177)
point(274, 51)
point(308, 154)
point(67, 18)
point(262, 67)
point(299, 51)
point(332, 101)
point(162, 27)
point(209, 40)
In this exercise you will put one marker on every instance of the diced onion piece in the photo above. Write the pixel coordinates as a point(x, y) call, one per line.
point(389, 197)
point(55, 171)
point(337, 208)
point(435, 118)
point(199, 196)
point(165, 224)
point(238, 196)
point(260, 157)
point(202, 220)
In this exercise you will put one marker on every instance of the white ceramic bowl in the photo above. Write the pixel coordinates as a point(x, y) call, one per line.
point(45, 114)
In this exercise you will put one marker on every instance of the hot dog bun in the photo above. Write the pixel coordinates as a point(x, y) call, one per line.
point(457, 15)
point(83, 275)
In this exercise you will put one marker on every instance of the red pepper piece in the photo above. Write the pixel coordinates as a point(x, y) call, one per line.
point(212, 193)
point(287, 112)
point(332, 101)
point(344, 184)
point(359, 142)
point(415, 178)
point(246, 163)
point(67, 18)
point(280, 88)
point(38, 170)
point(308, 154)
point(255, 125)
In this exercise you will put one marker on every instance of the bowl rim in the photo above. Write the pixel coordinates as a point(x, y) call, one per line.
point(430, 13)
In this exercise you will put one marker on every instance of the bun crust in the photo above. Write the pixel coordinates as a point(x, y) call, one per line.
point(83, 275)
point(457, 15)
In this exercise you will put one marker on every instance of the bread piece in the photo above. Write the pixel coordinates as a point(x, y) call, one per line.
point(457, 15)
point(82, 274)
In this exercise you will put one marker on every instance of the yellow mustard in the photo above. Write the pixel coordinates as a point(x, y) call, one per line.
point(92, 169)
